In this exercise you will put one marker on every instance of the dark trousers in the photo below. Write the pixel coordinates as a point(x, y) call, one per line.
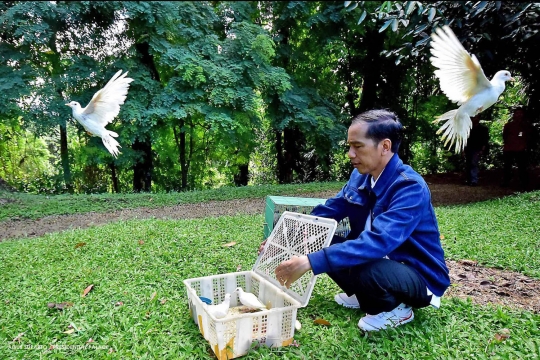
point(521, 159)
point(383, 284)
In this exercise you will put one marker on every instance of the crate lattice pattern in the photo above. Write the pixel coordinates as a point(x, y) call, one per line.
point(293, 238)
point(342, 229)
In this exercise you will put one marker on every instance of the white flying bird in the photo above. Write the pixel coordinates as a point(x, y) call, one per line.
point(249, 299)
point(102, 109)
point(220, 311)
point(463, 81)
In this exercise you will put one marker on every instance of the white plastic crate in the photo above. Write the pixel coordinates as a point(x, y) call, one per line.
point(229, 337)
point(277, 205)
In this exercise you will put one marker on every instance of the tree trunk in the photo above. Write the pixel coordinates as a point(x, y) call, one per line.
point(372, 70)
point(288, 145)
point(351, 93)
point(114, 178)
point(180, 139)
point(64, 156)
point(142, 170)
point(280, 158)
point(242, 177)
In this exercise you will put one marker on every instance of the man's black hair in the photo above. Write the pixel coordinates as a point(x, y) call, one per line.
point(382, 124)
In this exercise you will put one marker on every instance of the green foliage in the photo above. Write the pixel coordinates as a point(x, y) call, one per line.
point(240, 92)
point(24, 159)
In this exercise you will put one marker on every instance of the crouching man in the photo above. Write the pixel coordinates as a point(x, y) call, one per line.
point(392, 260)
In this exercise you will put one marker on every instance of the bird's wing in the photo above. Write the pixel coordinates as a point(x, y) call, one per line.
point(251, 300)
point(460, 74)
point(105, 105)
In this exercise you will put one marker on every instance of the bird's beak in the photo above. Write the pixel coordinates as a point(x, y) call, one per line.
point(66, 104)
point(511, 78)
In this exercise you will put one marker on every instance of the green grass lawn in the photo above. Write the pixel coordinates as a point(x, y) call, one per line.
point(28, 206)
point(128, 261)
point(498, 233)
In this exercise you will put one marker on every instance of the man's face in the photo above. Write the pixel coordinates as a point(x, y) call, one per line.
point(365, 155)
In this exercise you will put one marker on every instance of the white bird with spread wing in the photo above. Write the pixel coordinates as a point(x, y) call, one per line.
point(102, 109)
point(249, 299)
point(463, 81)
point(221, 310)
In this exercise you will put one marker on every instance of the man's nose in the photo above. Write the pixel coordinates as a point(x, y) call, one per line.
point(351, 153)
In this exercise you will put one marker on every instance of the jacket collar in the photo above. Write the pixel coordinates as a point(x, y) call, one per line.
point(385, 177)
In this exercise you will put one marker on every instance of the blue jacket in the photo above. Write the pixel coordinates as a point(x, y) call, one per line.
point(404, 226)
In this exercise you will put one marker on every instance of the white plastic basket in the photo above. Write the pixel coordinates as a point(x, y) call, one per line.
point(232, 336)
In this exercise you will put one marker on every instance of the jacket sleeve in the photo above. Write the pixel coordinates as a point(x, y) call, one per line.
point(389, 230)
point(333, 208)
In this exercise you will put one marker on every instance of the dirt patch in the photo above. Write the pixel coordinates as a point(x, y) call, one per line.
point(29, 228)
point(493, 286)
point(483, 285)
point(4, 201)
point(446, 189)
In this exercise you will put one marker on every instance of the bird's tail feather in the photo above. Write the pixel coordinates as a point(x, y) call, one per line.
point(456, 129)
point(110, 143)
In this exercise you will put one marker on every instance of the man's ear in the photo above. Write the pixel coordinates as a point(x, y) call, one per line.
point(386, 146)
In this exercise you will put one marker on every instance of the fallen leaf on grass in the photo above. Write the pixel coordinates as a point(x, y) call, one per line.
point(79, 245)
point(163, 301)
point(502, 335)
point(119, 303)
point(153, 295)
point(239, 267)
point(141, 242)
point(441, 237)
point(90, 341)
point(59, 306)
point(321, 322)
point(18, 337)
point(232, 243)
point(87, 290)
point(70, 331)
point(297, 325)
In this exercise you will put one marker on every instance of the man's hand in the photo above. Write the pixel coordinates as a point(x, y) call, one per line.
point(261, 247)
point(291, 270)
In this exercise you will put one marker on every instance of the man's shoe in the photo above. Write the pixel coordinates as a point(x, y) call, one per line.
point(399, 316)
point(347, 301)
